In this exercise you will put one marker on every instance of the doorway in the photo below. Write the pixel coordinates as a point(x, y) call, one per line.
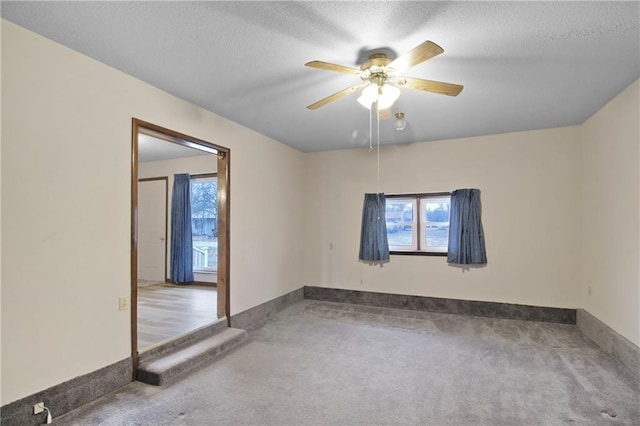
point(151, 227)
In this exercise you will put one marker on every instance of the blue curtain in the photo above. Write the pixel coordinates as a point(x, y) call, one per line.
point(181, 245)
point(374, 246)
point(466, 237)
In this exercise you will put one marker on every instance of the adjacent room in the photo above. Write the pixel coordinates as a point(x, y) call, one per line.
point(320, 213)
point(174, 299)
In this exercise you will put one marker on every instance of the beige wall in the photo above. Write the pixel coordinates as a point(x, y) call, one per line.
point(533, 255)
point(66, 165)
point(1, 324)
point(192, 165)
point(611, 214)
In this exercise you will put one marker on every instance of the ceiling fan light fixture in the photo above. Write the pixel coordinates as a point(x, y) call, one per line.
point(390, 94)
point(385, 95)
point(368, 96)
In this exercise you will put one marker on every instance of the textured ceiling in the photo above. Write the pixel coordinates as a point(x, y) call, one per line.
point(524, 65)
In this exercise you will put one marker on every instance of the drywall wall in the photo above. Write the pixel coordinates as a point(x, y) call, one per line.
point(193, 165)
point(167, 168)
point(611, 214)
point(66, 165)
point(0, 248)
point(530, 191)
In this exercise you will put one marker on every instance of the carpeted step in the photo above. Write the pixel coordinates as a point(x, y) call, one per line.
point(165, 368)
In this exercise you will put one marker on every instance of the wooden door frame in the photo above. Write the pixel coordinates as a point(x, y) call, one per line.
point(224, 202)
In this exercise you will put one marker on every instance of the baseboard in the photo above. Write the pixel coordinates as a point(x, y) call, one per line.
point(610, 341)
point(69, 395)
point(258, 314)
point(204, 283)
point(201, 283)
point(441, 305)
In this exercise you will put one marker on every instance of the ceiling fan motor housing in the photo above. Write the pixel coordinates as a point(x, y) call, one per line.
point(377, 60)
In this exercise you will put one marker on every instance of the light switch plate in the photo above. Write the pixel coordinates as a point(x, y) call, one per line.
point(123, 303)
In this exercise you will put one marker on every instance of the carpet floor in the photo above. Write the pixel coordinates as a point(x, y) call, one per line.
point(321, 363)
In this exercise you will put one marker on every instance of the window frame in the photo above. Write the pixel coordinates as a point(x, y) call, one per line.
point(416, 197)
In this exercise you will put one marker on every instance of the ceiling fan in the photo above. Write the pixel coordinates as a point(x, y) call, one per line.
point(381, 77)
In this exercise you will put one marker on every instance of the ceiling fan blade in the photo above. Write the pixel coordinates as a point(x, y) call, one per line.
point(332, 67)
point(431, 86)
point(336, 95)
point(418, 54)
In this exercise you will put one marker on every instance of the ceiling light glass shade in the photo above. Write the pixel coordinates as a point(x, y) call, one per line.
point(386, 96)
point(400, 122)
point(369, 95)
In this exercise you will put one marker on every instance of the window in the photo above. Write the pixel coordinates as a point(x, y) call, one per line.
point(204, 222)
point(418, 223)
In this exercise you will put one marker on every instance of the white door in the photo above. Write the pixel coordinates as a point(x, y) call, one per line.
point(152, 230)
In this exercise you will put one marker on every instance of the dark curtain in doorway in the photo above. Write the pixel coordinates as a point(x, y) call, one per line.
point(181, 243)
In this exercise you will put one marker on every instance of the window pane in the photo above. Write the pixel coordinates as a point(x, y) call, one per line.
point(436, 236)
point(436, 223)
point(204, 223)
point(401, 229)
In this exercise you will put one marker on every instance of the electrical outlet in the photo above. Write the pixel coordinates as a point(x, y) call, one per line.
point(38, 408)
point(589, 290)
point(123, 303)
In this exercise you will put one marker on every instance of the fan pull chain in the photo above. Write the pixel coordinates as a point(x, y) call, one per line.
point(378, 142)
point(371, 130)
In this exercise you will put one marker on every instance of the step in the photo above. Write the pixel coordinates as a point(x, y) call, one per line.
point(167, 367)
point(171, 345)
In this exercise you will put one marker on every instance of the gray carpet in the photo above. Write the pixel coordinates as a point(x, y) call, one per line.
point(321, 363)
